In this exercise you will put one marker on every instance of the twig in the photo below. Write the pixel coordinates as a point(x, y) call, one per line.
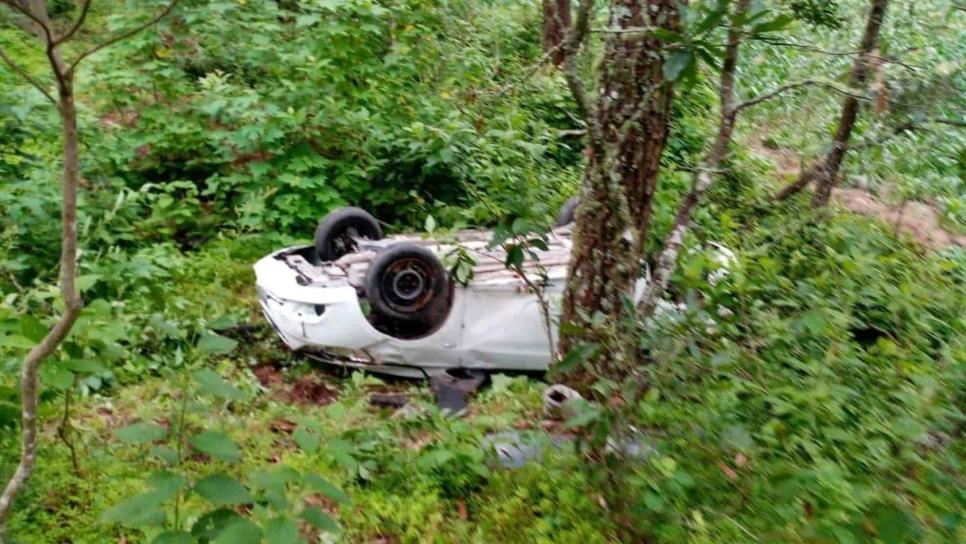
point(531, 71)
point(832, 53)
point(76, 26)
point(30, 15)
point(124, 35)
point(573, 42)
point(26, 76)
point(65, 428)
point(789, 86)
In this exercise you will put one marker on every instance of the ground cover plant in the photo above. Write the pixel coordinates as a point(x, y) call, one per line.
point(814, 395)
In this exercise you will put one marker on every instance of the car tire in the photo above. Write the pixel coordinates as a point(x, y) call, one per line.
point(407, 284)
point(338, 231)
point(568, 212)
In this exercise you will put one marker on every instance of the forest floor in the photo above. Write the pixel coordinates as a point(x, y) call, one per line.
point(917, 219)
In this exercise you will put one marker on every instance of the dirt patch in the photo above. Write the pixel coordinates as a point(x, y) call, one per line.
point(269, 375)
point(786, 161)
point(306, 389)
point(310, 390)
point(919, 220)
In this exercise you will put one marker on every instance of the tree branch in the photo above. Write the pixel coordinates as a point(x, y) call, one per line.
point(789, 86)
point(704, 177)
point(76, 26)
point(809, 47)
point(573, 42)
point(48, 36)
point(124, 35)
point(26, 76)
point(908, 126)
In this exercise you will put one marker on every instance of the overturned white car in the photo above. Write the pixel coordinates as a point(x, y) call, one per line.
point(387, 304)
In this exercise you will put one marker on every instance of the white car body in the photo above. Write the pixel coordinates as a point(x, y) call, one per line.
point(495, 322)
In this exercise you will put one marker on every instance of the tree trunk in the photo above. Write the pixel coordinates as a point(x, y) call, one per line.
point(556, 23)
point(704, 177)
point(826, 172)
point(68, 268)
point(635, 103)
point(630, 120)
point(72, 306)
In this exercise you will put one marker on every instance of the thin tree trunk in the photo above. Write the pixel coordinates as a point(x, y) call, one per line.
point(68, 268)
point(36, 21)
point(72, 306)
point(704, 177)
point(825, 173)
point(556, 23)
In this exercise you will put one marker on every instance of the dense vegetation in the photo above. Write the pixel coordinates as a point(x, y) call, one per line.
point(814, 396)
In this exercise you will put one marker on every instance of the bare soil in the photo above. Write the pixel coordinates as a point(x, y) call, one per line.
point(919, 220)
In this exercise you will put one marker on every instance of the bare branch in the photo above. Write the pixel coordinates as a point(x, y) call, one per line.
point(908, 126)
point(48, 36)
point(704, 177)
point(572, 44)
point(531, 71)
point(76, 26)
point(26, 76)
point(124, 35)
point(789, 86)
point(832, 53)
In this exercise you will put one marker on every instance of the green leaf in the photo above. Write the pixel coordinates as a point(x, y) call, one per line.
point(165, 453)
point(896, 525)
point(342, 452)
point(584, 414)
point(319, 519)
point(282, 530)
point(307, 440)
point(778, 23)
point(577, 356)
point(140, 433)
point(212, 384)
point(85, 366)
point(222, 489)
point(216, 444)
point(737, 437)
point(173, 537)
point(212, 523)
point(167, 484)
point(17, 341)
point(141, 510)
point(514, 257)
point(58, 377)
point(240, 531)
point(86, 281)
point(676, 63)
point(814, 322)
point(32, 328)
point(318, 483)
point(430, 225)
point(216, 344)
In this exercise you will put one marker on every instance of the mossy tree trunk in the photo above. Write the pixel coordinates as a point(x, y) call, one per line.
point(556, 23)
point(627, 131)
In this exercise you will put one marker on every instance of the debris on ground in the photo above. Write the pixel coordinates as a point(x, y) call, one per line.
point(555, 399)
point(388, 400)
point(452, 388)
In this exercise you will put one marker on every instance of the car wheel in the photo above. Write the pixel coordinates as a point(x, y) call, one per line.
point(339, 231)
point(568, 212)
point(406, 283)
